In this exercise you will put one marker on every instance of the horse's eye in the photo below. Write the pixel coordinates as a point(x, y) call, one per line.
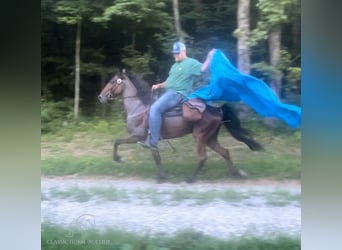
point(119, 80)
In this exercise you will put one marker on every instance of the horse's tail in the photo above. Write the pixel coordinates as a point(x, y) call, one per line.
point(232, 123)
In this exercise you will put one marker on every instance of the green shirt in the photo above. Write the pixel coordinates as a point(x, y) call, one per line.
point(182, 75)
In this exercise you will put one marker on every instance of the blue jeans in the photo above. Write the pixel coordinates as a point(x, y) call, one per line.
point(167, 101)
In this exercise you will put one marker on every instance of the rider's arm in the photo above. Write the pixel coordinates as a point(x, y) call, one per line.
point(159, 85)
point(208, 60)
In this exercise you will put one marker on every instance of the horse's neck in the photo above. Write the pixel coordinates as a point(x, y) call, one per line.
point(132, 103)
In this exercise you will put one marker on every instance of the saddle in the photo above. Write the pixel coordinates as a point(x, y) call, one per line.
point(175, 111)
point(193, 109)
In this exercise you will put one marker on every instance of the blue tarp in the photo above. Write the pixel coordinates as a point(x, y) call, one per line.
point(228, 84)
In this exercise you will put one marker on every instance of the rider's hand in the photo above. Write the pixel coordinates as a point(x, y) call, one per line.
point(156, 86)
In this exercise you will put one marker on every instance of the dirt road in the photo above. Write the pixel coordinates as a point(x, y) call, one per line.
point(226, 209)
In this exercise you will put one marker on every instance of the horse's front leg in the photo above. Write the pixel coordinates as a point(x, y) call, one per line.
point(161, 173)
point(129, 140)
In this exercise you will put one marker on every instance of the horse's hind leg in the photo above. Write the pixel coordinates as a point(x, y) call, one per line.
point(129, 140)
point(214, 145)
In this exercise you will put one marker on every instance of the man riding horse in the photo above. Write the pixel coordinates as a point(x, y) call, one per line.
point(226, 84)
point(182, 76)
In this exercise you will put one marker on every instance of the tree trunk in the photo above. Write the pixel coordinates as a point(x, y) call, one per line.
point(134, 35)
point(178, 25)
point(274, 43)
point(77, 70)
point(244, 63)
point(243, 52)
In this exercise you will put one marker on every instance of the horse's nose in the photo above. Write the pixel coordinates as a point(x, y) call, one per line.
point(100, 98)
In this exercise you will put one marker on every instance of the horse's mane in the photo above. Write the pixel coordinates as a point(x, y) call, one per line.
point(143, 88)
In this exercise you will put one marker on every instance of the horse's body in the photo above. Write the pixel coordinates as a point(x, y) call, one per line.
point(136, 96)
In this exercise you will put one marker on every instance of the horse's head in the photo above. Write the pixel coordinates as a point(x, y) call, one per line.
point(113, 88)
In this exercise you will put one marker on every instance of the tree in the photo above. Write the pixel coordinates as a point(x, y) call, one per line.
point(138, 14)
point(139, 17)
point(273, 14)
point(73, 13)
point(137, 34)
point(242, 34)
point(178, 26)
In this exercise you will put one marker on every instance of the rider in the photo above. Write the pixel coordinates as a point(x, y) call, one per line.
point(182, 75)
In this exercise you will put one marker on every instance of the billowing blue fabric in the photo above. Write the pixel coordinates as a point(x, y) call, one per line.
point(230, 85)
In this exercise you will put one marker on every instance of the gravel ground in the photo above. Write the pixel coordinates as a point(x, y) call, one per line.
point(147, 207)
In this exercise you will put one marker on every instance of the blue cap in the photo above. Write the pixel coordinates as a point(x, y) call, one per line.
point(178, 47)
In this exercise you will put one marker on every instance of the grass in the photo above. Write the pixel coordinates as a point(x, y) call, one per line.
point(174, 197)
point(282, 198)
point(56, 237)
point(87, 150)
point(82, 195)
point(208, 196)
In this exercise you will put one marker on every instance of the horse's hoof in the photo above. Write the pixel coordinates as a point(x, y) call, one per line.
point(190, 179)
point(240, 174)
point(161, 178)
point(117, 158)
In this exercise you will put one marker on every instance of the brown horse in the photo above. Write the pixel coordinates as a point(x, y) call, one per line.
point(137, 98)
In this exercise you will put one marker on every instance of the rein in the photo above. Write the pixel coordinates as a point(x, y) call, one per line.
point(131, 96)
point(136, 96)
point(145, 111)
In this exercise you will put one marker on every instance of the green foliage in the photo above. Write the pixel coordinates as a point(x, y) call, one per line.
point(273, 11)
point(137, 62)
point(184, 240)
point(259, 34)
point(85, 148)
point(92, 62)
point(272, 14)
point(147, 28)
point(150, 12)
point(285, 60)
point(57, 120)
point(267, 71)
point(293, 77)
point(56, 70)
point(72, 12)
point(293, 74)
point(55, 115)
point(203, 19)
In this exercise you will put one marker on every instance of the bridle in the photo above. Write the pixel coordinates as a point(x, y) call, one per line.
point(118, 83)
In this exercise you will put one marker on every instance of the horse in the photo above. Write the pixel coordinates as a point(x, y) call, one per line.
point(136, 95)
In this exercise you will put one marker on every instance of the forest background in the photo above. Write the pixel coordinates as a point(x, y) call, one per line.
point(84, 43)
